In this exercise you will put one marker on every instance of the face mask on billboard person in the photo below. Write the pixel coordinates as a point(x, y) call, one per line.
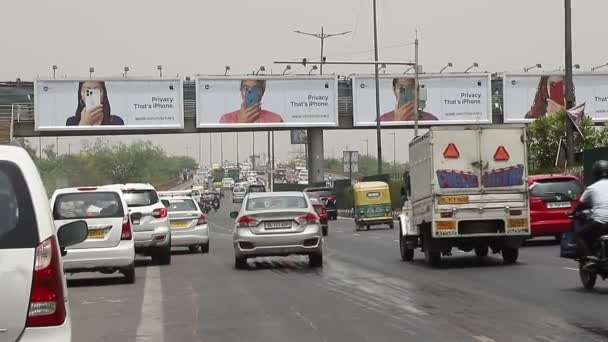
point(93, 107)
point(251, 110)
point(549, 98)
point(404, 108)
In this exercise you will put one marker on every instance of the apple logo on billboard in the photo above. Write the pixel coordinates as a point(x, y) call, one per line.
point(513, 82)
point(45, 88)
point(362, 85)
point(207, 87)
point(171, 87)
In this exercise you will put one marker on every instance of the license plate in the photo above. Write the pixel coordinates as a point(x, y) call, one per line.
point(518, 223)
point(453, 200)
point(179, 224)
point(97, 234)
point(277, 225)
point(556, 205)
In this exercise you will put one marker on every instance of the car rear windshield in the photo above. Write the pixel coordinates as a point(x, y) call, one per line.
point(276, 202)
point(140, 198)
point(18, 227)
point(239, 189)
point(181, 205)
point(81, 205)
point(556, 186)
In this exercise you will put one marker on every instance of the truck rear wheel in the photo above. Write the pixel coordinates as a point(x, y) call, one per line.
point(510, 255)
point(432, 258)
point(406, 253)
point(481, 251)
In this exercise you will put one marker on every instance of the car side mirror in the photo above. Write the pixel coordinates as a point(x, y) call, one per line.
point(234, 214)
point(72, 233)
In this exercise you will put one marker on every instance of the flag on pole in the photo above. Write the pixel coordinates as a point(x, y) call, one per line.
point(576, 115)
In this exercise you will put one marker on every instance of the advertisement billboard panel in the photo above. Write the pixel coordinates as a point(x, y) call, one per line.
point(108, 104)
point(450, 99)
point(529, 96)
point(267, 101)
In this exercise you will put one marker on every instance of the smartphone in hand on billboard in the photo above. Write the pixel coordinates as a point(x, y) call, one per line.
point(252, 96)
point(406, 94)
point(92, 98)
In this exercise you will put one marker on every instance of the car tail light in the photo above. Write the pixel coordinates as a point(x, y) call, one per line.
point(47, 302)
point(159, 213)
point(126, 233)
point(247, 221)
point(309, 218)
point(201, 220)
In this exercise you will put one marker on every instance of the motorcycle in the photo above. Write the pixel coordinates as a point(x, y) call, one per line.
point(588, 272)
point(205, 205)
point(215, 204)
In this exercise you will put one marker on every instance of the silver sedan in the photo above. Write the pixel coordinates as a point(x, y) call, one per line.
point(277, 224)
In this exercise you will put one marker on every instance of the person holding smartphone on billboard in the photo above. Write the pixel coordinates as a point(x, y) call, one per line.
point(404, 89)
point(93, 107)
point(550, 97)
point(251, 110)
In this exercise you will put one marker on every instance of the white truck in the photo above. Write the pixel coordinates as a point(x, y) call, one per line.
point(467, 189)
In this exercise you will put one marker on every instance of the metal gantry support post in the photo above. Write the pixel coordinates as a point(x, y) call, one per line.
point(316, 171)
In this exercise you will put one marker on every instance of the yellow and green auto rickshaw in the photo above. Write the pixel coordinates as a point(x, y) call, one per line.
point(372, 204)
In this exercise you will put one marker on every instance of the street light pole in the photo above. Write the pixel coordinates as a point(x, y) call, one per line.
point(221, 149)
point(377, 81)
point(200, 150)
point(417, 92)
point(237, 151)
point(570, 99)
point(366, 147)
point(322, 36)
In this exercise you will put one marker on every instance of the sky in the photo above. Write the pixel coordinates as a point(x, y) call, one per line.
point(190, 37)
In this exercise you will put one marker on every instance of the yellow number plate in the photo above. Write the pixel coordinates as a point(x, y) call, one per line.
point(179, 224)
point(97, 234)
point(445, 225)
point(453, 200)
point(518, 223)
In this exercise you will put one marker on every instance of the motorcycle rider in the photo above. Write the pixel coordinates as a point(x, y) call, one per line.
point(596, 198)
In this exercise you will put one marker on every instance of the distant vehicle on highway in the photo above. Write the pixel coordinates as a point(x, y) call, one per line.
point(238, 193)
point(188, 224)
point(109, 245)
point(277, 224)
point(150, 222)
point(329, 199)
point(552, 197)
point(33, 298)
point(228, 183)
point(256, 188)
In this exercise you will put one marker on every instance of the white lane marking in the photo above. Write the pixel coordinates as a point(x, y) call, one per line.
point(339, 231)
point(570, 269)
point(374, 237)
point(484, 339)
point(218, 226)
point(395, 240)
point(356, 234)
point(150, 328)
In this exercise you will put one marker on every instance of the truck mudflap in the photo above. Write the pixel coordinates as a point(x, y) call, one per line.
point(407, 227)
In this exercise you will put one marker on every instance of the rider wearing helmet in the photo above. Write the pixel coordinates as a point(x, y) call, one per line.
point(596, 198)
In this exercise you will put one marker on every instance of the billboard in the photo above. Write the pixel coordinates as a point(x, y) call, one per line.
point(529, 96)
point(450, 99)
point(108, 104)
point(267, 101)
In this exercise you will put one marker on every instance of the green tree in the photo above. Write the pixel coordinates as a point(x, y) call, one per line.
point(545, 133)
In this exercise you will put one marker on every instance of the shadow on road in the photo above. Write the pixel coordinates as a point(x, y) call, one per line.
point(92, 282)
point(282, 265)
point(597, 291)
point(541, 242)
point(462, 261)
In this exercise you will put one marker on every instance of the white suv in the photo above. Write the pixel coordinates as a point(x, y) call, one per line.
point(109, 246)
point(33, 296)
point(150, 221)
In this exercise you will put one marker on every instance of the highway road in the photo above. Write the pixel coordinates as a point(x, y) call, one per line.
point(363, 293)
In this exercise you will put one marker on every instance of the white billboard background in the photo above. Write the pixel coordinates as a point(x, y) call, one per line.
point(141, 104)
point(519, 91)
point(451, 98)
point(310, 101)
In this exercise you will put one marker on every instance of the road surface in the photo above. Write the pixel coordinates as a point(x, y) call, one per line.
point(363, 293)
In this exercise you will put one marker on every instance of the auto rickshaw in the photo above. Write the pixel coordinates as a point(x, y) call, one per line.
point(372, 204)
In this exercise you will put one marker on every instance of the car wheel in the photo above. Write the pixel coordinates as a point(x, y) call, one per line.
point(588, 277)
point(406, 253)
point(558, 238)
point(240, 263)
point(510, 255)
point(481, 251)
point(315, 260)
point(205, 248)
point(325, 231)
point(193, 249)
point(129, 274)
point(163, 255)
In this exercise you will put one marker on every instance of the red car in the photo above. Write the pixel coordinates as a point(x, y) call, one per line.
point(551, 197)
point(322, 212)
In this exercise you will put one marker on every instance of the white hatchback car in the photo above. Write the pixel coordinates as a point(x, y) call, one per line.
point(188, 224)
point(109, 247)
point(150, 221)
point(33, 294)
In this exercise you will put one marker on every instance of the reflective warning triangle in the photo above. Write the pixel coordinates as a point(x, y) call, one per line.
point(451, 152)
point(501, 154)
